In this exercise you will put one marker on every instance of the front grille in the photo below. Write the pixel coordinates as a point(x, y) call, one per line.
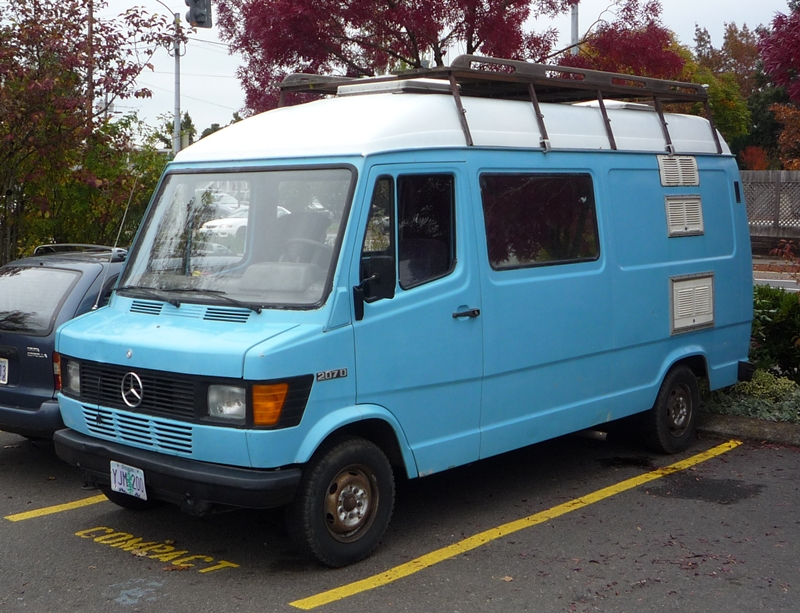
point(139, 429)
point(166, 394)
point(175, 396)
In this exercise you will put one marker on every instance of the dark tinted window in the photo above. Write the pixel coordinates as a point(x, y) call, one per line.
point(425, 237)
point(30, 297)
point(535, 219)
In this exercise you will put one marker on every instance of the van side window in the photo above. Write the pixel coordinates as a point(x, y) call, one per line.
point(426, 229)
point(539, 219)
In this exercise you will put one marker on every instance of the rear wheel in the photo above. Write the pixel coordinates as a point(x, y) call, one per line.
point(671, 423)
point(129, 502)
point(344, 503)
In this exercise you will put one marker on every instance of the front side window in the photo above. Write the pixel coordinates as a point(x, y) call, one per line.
point(538, 219)
point(264, 238)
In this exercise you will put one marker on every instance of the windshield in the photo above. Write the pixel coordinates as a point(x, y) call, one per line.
point(265, 238)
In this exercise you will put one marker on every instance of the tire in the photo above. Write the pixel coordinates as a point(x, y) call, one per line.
point(129, 502)
point(344, 503)
point(670, 424)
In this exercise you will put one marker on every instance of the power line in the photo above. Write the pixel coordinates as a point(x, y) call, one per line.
point(222, 106)
point(190, 74)
point(208, 42)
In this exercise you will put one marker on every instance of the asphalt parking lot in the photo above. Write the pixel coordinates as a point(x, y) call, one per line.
point(574, 524)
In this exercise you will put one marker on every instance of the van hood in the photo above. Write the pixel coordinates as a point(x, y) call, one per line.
point(170, 343)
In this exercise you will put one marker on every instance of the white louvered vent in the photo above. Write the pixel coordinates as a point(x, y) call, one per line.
point(678, 170)
point(692, 302)
point(684, 215)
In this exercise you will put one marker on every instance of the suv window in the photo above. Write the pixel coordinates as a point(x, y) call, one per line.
point(537, 219)
point(30, 297)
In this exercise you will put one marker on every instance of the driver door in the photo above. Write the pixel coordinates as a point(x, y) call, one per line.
point(419, 348)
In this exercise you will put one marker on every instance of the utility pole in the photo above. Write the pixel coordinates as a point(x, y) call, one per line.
point(575, 30)
point(176, 129)
point(90, 65)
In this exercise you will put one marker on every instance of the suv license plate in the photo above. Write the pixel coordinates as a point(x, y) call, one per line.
point(128, 480)
point(3, 371)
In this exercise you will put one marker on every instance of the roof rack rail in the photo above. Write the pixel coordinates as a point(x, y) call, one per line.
point(488, 77)
point(117, 253)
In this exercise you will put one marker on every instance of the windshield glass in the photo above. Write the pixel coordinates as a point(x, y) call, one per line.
point(264, 238)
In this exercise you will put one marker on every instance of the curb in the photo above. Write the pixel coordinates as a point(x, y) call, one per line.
point(748, 428)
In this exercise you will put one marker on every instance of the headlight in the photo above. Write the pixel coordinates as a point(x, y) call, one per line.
point(72, 377)
point(227, 402)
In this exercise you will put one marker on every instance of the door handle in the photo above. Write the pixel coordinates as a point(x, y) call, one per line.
point(467, 313)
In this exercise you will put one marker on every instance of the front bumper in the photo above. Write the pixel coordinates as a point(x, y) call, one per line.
point(38, 423)
point(189, 483)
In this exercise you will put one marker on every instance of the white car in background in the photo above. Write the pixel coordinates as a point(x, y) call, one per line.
point(234, 225)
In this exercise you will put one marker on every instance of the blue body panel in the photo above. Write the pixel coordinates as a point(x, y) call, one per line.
point(556, 348)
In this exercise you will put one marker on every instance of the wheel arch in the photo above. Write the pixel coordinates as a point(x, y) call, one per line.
point(692, 356)
point(369, 422)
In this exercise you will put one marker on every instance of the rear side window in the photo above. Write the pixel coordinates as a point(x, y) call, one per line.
point(30, 297)
point(539, 219)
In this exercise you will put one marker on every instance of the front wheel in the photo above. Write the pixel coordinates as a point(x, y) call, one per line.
point(344, 503)
point(671, 423)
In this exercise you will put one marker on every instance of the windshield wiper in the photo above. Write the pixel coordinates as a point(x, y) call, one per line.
point(149, 292)
point(217, 293)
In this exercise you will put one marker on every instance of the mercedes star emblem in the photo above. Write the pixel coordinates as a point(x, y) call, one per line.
point(132, 390)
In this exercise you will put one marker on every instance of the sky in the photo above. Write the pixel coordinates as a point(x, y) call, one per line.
point(210, 91)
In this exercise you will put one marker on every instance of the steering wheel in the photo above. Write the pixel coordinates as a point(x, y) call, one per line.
point(304, 250)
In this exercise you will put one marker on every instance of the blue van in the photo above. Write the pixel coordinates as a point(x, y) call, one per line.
point(436, 267)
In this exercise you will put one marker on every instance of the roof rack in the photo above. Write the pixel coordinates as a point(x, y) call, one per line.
point(117, 253)
point(488, 77)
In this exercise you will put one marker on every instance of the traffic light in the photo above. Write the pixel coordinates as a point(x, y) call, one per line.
point(199, 13)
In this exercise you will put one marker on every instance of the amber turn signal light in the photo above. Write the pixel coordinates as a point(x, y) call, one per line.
point(268, 403)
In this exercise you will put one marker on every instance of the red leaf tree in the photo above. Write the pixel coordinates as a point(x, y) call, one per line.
point(780, 48)
point(365, 37)
point(635, 43)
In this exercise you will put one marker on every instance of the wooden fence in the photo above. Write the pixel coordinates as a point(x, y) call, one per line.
point(773, 206)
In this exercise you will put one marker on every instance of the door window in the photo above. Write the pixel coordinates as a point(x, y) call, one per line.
point(426, 228)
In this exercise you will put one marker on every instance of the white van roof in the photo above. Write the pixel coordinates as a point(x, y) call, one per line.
point(378, 115)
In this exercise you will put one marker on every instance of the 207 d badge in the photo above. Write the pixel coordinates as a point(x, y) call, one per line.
point(132, 390)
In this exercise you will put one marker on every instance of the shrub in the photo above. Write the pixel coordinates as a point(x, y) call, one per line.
point(775, 338)
point(767, 396)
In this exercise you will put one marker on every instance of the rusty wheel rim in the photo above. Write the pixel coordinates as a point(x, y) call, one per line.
point(350, 503)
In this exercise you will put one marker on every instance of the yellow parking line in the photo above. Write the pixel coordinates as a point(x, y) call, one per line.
point(57, 508)
point(473, 542)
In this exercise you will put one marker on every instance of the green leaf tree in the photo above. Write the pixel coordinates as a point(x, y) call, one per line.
point(57, 84)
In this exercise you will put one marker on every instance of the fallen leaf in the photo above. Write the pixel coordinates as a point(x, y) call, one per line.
point(167, 569)
point(507, 579)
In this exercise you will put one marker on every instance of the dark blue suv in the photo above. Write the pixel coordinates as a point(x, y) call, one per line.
point(38, 294)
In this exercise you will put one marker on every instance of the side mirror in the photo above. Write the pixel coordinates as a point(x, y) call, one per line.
point(380, 279)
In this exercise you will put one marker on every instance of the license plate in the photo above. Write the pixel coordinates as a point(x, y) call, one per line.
point(128, 480)
point(3, 371)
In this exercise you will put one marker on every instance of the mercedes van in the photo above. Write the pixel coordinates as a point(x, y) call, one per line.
point(436, 267)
